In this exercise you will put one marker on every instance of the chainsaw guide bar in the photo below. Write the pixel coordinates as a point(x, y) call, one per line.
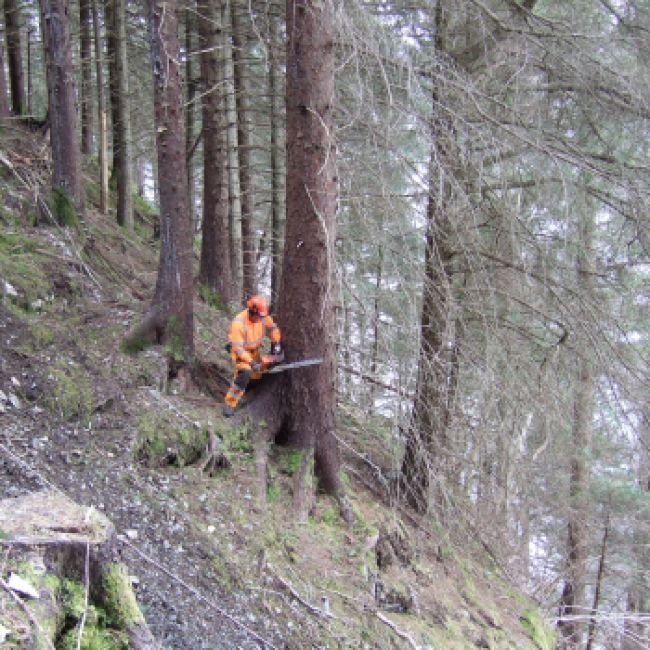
point(297, 364)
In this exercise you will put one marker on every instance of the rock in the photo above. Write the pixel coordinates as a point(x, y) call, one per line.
point(15, 402)
point(10, 290)
point(16, 583)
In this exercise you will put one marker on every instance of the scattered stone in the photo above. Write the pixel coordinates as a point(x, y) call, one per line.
point(16, 583)
point(131, 534)
point(10, 290)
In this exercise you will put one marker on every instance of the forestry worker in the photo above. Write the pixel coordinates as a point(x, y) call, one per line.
point(246, 336)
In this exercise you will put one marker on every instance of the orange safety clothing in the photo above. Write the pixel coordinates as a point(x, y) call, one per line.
point(246, 338)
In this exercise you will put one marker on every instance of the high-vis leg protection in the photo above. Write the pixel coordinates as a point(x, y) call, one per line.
point(243, 375)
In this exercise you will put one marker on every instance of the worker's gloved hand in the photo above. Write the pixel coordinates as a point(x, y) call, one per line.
point(276, 348)
point(256, 366)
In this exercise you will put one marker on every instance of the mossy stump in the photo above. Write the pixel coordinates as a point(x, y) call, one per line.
point(51, 539)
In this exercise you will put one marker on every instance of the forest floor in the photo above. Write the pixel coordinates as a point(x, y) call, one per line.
point(210, 569)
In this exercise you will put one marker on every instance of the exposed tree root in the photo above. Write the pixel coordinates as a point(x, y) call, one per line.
point(215, 457)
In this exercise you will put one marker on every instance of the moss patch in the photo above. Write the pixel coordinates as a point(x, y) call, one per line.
point(161, 441)
point(543, 636)
point(71, 391)
point(63, 208)
point(120, 603)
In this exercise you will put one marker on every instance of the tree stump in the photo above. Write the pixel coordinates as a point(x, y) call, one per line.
point(63, 539)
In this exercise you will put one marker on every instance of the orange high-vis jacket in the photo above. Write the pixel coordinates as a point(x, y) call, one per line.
point(246, 335)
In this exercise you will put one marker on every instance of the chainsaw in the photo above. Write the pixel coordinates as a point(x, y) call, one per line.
point(275, 363)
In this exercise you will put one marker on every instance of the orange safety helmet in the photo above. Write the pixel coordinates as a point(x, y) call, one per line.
point(258, 305)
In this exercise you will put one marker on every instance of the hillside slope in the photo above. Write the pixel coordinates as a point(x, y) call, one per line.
point(209, 569)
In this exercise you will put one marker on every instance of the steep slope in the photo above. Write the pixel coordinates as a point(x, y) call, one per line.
point(113, 431)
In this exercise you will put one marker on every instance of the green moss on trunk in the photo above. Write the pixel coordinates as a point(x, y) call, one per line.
point(119, 601)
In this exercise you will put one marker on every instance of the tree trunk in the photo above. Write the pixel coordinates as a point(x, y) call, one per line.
point(215, 269)
point(308, 299)
point(637, 629)
point(85, 16)
point(232, 162)
point(170, 317)
point(112, 47)
point(190, 83)
point(15, 56)
point(240, 80)
point(572, 602)
point(122, 130)
point(4, 89)
point(101, 110)
point(427, 444)
point(67, 179)
point(277, 167)
point(374, 356)
point(599, 586)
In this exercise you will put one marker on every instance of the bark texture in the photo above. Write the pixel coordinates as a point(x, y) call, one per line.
point(239, 50)
point(113, 85)
point(171, 316)
point(15, 56)
point(101, 111)
point(190, 117)
point(66, 152)
point(4, 89)
point(85, 16)
point(122, 144)
point(307, 302)
point(277, 165)
point(216, 268)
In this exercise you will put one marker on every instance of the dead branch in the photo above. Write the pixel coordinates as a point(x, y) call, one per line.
point(400, 633)
point(289, 587)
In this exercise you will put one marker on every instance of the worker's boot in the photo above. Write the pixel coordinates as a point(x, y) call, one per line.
point(228, 411)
